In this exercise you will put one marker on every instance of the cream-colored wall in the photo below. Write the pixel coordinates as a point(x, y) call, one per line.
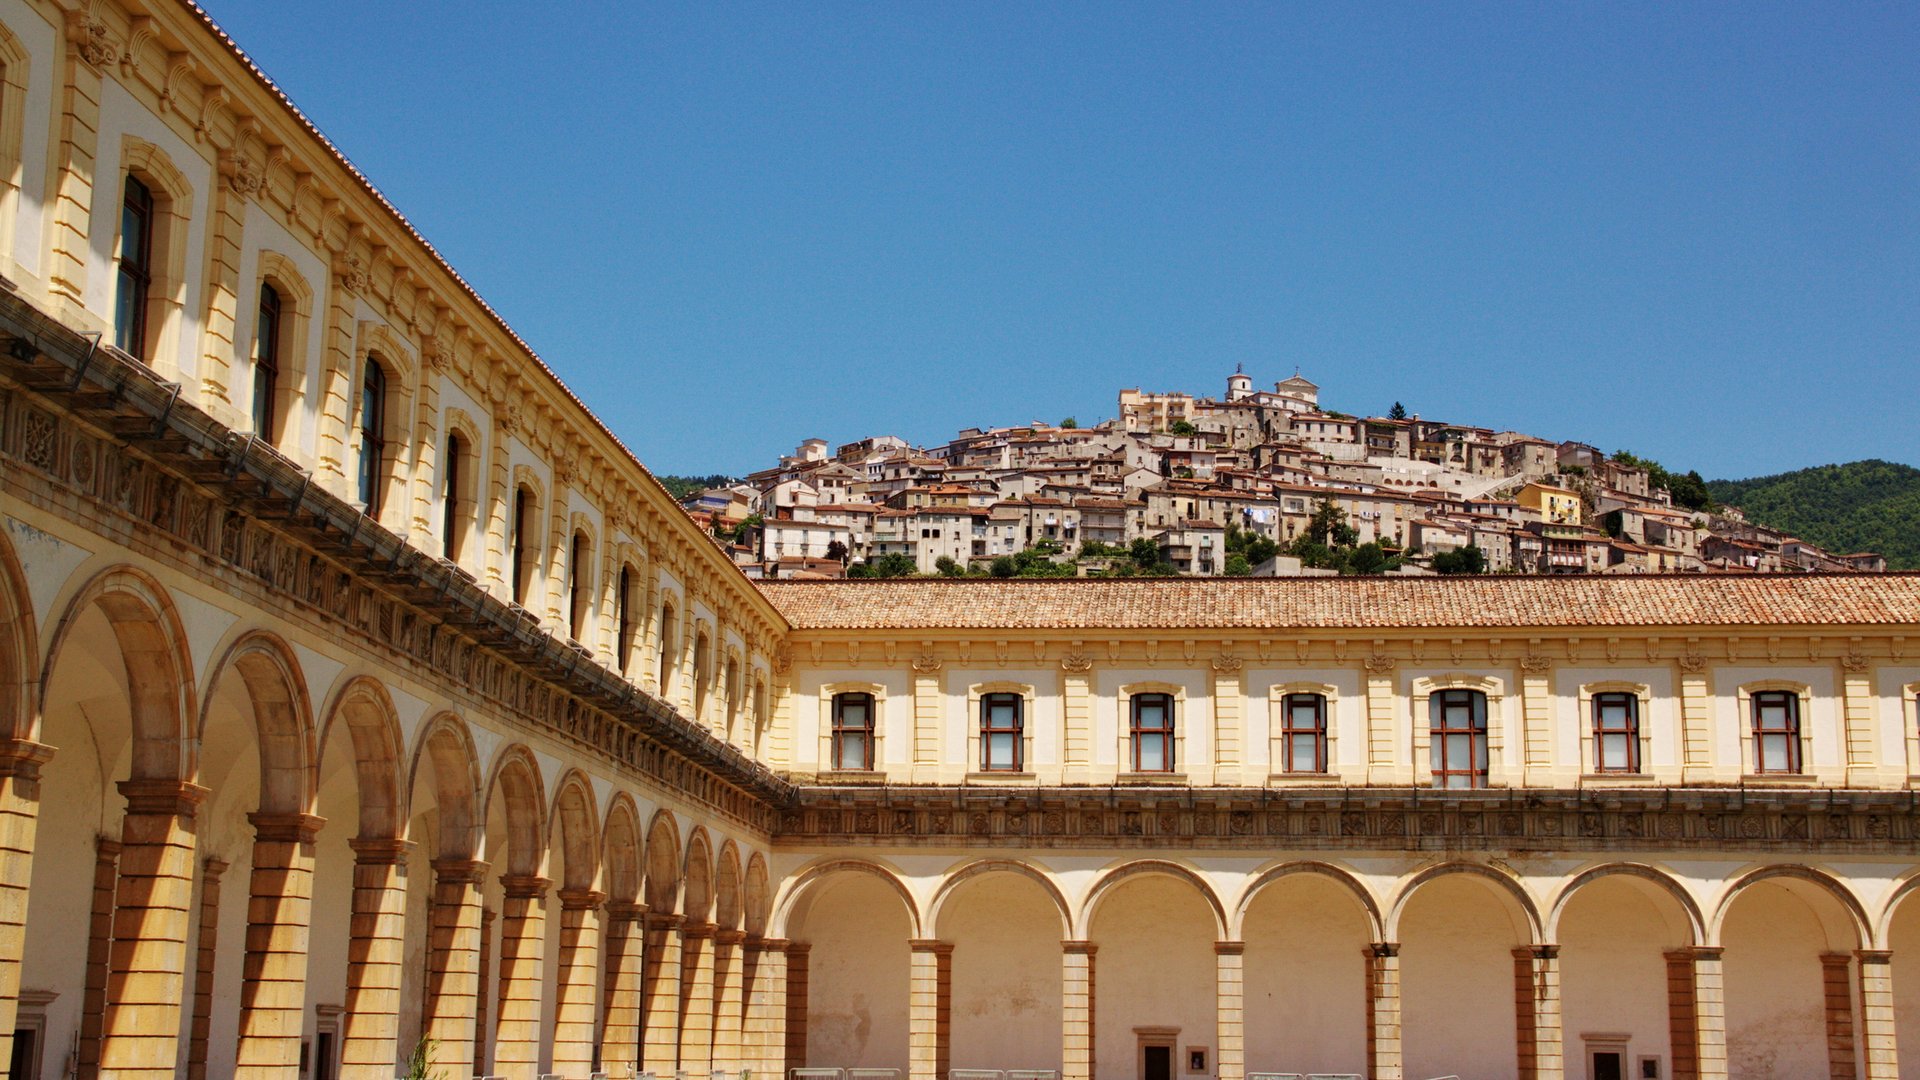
point(1613, 974)
point(856, 993)
point(1006, 984)
point(1776, 1025)
point(1306, 978)
point(1456, 980)
point(1154, 968)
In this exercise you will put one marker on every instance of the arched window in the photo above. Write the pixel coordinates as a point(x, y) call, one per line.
point(1616, 733)
point(373, 426)
point(702, 674)
point(733, 693)
point(1002, 725)
point(136, 268)
point(623, 621)
point(579, 578)
point(266, 362)
point(669, 646)
point(522, 550)
point(1776, 731)
point(1151, 728)
point(453, 510)
point(1303, 733)
point(1458, 725)
point(853, 731)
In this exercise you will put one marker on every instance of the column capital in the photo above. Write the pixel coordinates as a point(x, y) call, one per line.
point(1229, 948)
point(729, 937)
point(798, 948)
point(286, 828)
point(1079, 948)
point(625, 911)
point(767, 944)
point(1873, 956)
point(524, 886)
point(1381, 950)
point(1708, 953)
point(461, 871)
point(175, 798)
point(106, 845)
point(664, 920)
point(580, 899)
point(697, 929)
point(929, 945)
point(380, 850)
point(23, 758)
point(1544, 952)
point(212, 867)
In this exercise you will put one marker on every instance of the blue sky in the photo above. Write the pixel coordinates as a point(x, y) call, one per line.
point(1689, 230)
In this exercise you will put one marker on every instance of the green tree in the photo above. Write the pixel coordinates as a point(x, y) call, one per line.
point(1181, 427)
point(1003, 567)
point(1143, 551)
point(1398, 412)
point(1237, 566)
point(1069, 423)
point(886, 566)
point(1466, 560)
point(947, 567)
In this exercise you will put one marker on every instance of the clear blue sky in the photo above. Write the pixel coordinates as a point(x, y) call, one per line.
point(1690, 230)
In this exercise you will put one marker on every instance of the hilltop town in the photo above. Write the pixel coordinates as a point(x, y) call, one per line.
point(1256, 482)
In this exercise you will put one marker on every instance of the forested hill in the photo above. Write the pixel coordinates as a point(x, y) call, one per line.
point(1860, 506)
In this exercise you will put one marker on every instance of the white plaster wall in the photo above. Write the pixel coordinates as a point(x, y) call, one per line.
point(1193, 717)
point(1306, 978)
point(1154, 968)
point(1904, 940)
point(1006, 974)
point(1776, 1016)
point(1659, 720)
point(37, 37)
point(1456, 981)
point(1613, 974)
point(1346, 713)
point(1821, 719)
point(857, 975)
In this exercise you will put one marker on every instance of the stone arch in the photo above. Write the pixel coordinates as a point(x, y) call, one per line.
point(282, 718)
point(1160, 867)
point(516, 779)
point(696, 891)
point(663, 864)
point(1236, 925)
point(1504, 884)
point(980, 867)
point(573, 814)
point(19, 637)
point(446, 748)
point(373, 731)
point(796, 888)
point(621, 852)
point(757, 898)
point(153, 647)
point(728, 902)
point(1799, 879)
point(1658, 878)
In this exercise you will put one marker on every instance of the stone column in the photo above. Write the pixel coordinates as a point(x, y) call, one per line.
point(146, 978)
point(523, 939)
point(201, 1024)
point(929, 1008)
point(1536, 712)
point(576, 1012)
point(376, 951)
point(1682, 1025)
point(337, 389)
point(1384, 1060)
point(1076, 719)
point(219, 323)
point(729, 1005)
point(423, 525)
point(93, 998)
point(926, 721)
point(1709, 1008)
point(1076, 1009)
point(796, 1011)
point(1536, 998)
point(273, 988)
point(649, 679)
point(660, 991)
point(496, 517)
point(20, 763)
point(620, 1017)
point(768, 1007)
point(1876, 1013)
point(1837, 983)
point(453, 963)
point(1383, 732)
point(558, 563)
point(1230, 1056)
point(489, 988)
point(1859, 735)
point(1696, 726)
point(76, 163)
point(1229, 723)
point(696, 998)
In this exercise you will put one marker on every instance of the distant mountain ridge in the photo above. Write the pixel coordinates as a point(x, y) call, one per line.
point(1867, 505)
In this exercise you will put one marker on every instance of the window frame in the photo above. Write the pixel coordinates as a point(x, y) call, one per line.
point(268, 321)
point(579, 580)
point(1758, 700)
point(1018, 731)
point(625, 627)
point(1167, 732)
point(372, 420)
point(1288, 732)
point(452, 465)
point(1632, 732)
point(133, 283)
point(1479, 766)
point(839, 730)
point(520, 556)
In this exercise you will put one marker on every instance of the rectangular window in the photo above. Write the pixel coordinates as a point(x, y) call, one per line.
point(266, 361)
point(1152, 733)
point(1303, 733)
point(1776, 732)
point(136, 269)
point(853, 731)
point(522, 557)
point(1001, 727)
point(1616, 733)
point(1458, 729)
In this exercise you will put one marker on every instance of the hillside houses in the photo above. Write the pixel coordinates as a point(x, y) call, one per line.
point(1187, 473)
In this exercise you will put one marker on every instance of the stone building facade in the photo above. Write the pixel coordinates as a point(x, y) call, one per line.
point(359, 691)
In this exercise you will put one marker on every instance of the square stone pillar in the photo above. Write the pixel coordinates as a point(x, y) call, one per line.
point(273, 987)
point(620, 1018)
point(523, 940)
point(660, 989)
point(729, 1005)
point(1696, 972)
point(1539, 1046)
point(1230, 1056)
point(1384, 1055)
point(798, 953)
point(929, 1008)
point(20, 763)
point(1876, 1013)
point(576, 1013)
point(146, 979)
point(450, 1006)
point(376, 955)
point(93, 995)
point(1836, 971)
point(1076, 1009)
point(696, 998)
point(767, 1005)
point(200, 1025)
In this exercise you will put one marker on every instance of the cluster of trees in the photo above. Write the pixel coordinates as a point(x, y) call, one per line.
point(682, 486)
point(1860, 506)
point(1687, 488)
point(1329, 543)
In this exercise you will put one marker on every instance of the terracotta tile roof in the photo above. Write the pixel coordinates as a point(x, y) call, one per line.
point(1354, 603)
